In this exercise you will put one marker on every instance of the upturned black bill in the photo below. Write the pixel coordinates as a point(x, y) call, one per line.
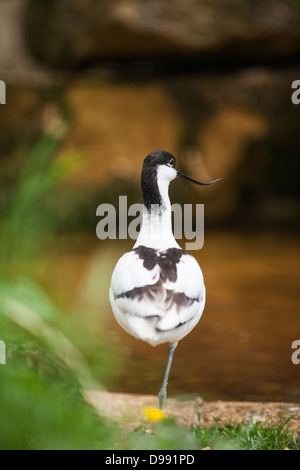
point(197, 182)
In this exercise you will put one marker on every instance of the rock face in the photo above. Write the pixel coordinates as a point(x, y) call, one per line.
point(220, 125)
point(241, 126)
point(74, 33)
point(17, 66)
point(232, 117)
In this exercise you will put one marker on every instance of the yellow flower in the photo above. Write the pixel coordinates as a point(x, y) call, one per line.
point(154, 414)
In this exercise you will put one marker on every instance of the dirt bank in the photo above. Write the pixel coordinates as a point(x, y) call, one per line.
point(126, 409)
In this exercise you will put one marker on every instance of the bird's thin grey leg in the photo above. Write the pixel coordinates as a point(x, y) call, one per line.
point(162, 394)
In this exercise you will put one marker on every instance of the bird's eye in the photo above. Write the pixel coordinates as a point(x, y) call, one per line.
point(171, 162)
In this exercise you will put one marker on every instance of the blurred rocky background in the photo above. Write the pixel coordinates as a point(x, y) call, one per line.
point(208, 81)
point(93, 86)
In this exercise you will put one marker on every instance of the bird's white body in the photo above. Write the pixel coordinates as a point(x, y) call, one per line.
point(157, 290)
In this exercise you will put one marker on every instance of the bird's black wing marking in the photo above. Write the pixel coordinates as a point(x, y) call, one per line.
point(157, 291)
point(167, 260)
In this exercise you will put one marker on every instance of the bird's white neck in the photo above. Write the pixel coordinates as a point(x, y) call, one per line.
point(156, 230)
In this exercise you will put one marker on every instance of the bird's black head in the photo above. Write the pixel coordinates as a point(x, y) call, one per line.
point(159, 169)
point(158, 164)
point(159, 157)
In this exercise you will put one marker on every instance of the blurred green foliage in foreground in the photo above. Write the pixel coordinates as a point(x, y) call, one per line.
point(41, 402)
point(42, 408)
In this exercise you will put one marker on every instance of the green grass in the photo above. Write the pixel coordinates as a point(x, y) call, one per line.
point(248, 435)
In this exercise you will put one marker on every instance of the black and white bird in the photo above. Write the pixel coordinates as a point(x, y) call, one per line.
point(157, 289)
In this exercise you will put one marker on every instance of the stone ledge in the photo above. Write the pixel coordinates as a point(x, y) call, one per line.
point(126, 409)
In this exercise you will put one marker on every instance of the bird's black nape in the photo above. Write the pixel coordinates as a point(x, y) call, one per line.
point(150, 189)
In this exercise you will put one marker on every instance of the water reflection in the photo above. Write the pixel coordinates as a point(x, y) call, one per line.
point(241, 349)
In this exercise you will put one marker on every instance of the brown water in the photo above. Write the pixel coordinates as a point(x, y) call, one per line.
point(241, 348)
